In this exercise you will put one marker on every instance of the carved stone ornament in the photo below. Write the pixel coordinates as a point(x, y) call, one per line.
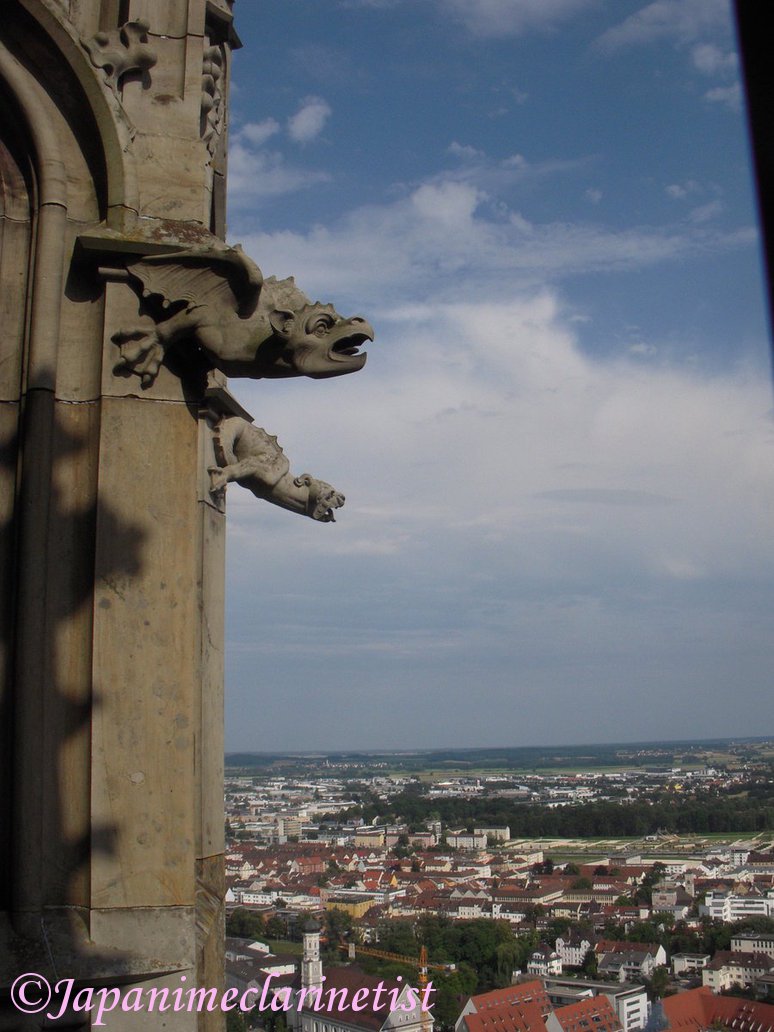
point(122, 51)
point(215, 300)
point(251, 457)
point(213, 108)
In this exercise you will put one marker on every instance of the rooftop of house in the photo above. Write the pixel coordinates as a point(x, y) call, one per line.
point(593, 1015)
point(509, 1017)
point(532, 991)
point(700, 1009)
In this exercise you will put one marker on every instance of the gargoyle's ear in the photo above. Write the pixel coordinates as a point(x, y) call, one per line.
point(281, 320)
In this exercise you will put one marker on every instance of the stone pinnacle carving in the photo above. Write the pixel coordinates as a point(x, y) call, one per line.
point(212, 97)
point(122, 51)
point(216, 300)
point(251, 457)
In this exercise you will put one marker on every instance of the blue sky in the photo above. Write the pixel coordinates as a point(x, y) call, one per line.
point(558, 458)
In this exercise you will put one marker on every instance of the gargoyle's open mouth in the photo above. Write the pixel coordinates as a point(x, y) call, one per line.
point(336, 352)
point(324, 507)
point(350, 345)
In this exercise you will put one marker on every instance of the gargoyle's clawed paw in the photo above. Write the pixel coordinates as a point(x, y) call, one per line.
point(218, 479)
point(141, 353)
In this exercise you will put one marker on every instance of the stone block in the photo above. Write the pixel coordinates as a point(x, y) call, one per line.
point(146, 655)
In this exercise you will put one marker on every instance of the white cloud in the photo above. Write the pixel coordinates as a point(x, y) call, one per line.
point(480, 412)
point(512, 17)
point(711, 60)
point(727, 96)
point(256, 172)
point(257, 133)
point(706, 212)
point(309, 120)
point(465, 152)
point(452, 204)
point(643, 350)
point(679, 191)
point(482, 442)
point(682, 21)
point(593, 196)
point(447, 237)
point(259, 174)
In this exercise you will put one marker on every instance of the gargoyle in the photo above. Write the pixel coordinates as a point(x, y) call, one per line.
point(251, 457)
point(217, 299)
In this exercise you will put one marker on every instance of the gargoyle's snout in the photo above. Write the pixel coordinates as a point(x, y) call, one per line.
point(342, 350)
point(351, 336)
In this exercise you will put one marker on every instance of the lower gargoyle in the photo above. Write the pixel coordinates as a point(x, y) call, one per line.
point(251, 457)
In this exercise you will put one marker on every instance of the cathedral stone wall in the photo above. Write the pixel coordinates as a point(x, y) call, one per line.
point(113, 123)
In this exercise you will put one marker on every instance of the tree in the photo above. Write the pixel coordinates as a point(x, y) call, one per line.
point(338, 924)
point(448, 990)
point(533, 912)
point(245, 924)
point(659, 981)
point(590, 966)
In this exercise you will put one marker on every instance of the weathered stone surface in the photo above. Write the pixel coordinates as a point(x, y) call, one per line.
point(121, 52)
point(145, 622)
point(251, 457)
point(113, 608)
point(216, 299)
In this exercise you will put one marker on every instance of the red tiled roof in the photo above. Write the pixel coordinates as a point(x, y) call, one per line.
point(594, 1015)
point(614, 946)
point(515, 1017)
point(524, 992)
point(699, 1008)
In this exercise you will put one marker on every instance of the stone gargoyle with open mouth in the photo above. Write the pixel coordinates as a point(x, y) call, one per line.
point(254, 459)
point(216, 300)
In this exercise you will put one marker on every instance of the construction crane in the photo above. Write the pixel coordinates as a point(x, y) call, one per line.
point(421, 963)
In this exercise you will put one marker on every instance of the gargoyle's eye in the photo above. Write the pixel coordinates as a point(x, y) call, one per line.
point(321, 326)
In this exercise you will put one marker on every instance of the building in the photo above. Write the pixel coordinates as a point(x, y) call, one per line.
point(508, 1016)
point(345, 999)
point(674, 901)
point(684, 965)
point(355, 906)
point(523, 1008)
point(753, 942)
point(626, 960)
point(495, 1005)
point(543, 962)
point(727, 969)
point(700, 1009)
point(573, 951)
point(630, 1002)
point(494, 834)
point(595, 1014)
point(465, 840)
point(729, 906)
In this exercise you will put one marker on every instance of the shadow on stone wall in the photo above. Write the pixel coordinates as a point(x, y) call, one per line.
point(46, 711)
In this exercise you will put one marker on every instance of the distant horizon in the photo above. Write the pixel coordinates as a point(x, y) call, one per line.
point(408, 751)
